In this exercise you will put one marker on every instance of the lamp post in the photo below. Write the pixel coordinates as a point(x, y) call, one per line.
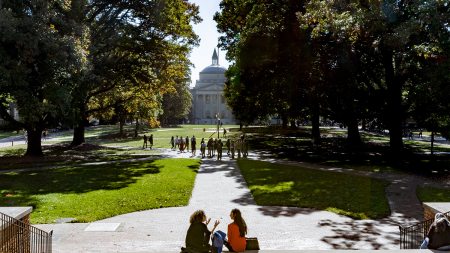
point(218, 108)
point(218, 124)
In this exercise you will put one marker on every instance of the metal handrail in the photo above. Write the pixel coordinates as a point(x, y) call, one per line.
point(17, 236)
point(411, 237)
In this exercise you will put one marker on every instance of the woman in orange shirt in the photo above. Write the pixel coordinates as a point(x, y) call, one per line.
point(236, 232)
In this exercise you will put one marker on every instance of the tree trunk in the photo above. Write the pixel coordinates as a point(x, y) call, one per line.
point(121, 124)
point(315, 120)
point(284, 121)
point(353, 136)
point(432, 144)
point(136, 129)
point(78, 129)
point(34, 147)
point(78, 134)
point(394, 103)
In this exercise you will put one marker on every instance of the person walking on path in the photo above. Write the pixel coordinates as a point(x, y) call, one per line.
point(150, 140)
point(193, 145)
point(187, 143)
point(210, 146)
point(144, 146)
point(214, 147)
point(181, 144)
point(172, 142)
point(197, 237)
point(203, 147)
point(232, 149)
point(224, 133)
point(219, 149)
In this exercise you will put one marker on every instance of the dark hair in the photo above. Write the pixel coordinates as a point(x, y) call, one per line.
point(197, 216)
point(238, 220)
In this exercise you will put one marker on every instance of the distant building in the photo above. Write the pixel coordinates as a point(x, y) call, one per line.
point(13, 112)
point(208, 100)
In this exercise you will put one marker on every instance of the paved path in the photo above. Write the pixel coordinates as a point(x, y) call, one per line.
point(219, 187)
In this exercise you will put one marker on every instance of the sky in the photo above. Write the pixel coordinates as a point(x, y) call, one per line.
point(207, 31)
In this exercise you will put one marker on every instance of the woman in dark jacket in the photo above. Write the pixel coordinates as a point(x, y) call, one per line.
point(438, 236)
point(197, 237)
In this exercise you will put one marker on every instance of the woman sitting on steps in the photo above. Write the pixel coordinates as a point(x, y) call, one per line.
point(438, 236)
point(198, 235)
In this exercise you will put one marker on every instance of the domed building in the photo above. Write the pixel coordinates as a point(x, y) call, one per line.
point(208, 100)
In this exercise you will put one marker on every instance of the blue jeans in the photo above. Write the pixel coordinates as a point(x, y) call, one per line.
point(424, 244)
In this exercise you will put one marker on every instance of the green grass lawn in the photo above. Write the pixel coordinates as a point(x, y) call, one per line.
point(372, 155)
point(108, 134)
point(6, 134)
point(431, 194)
point(59, 155)
point(161, 136)
point(103, 144)
point(283, 185)
point(89, 193)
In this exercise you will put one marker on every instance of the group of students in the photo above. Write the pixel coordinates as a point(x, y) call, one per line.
point(198, 235)
point(211, 145)
point(183, 144)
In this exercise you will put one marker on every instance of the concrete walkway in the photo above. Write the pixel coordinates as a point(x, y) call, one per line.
point(219, 187)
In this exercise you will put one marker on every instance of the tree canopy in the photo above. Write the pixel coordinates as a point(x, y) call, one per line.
point(39, 56)
point(354, 62)
point(64, 61)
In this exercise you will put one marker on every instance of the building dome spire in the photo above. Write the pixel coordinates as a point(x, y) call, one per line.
point(215, 58)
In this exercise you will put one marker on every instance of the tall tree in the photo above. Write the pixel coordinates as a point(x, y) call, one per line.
point(137, 48)
point(265, 43)
point(176, 104)
point(333, 28)
point(39, 54)
point(351, 61)
point(427, 99)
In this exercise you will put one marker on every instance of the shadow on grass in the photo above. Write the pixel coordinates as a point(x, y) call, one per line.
point(13, 152)
point(76, 179)
point(17, 198)
point(113, 138)
point(194, 168)
point(213, 166)
point(283, 185)
point(296, 145)
point(63, 154)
